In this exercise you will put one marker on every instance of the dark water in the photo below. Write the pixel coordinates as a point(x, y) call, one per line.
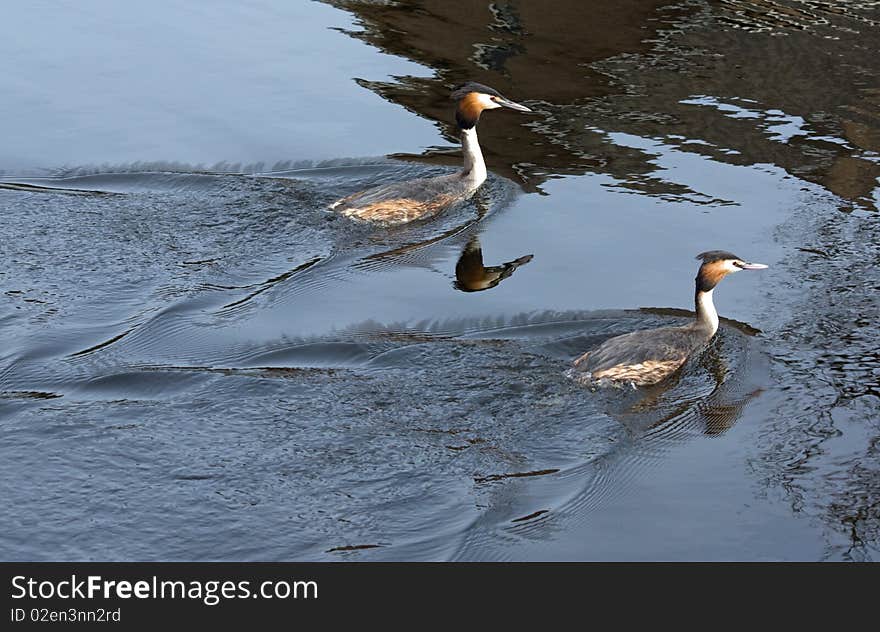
point(199, 362)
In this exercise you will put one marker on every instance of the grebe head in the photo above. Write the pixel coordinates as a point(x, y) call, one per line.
point(717, 264)
point(472, 98)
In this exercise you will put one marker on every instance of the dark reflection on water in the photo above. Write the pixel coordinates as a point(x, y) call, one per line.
point(523, 50)
point(208, 365)
point(472, 275)
point(620, 69)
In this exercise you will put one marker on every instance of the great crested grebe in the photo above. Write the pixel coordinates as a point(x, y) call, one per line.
point(472, 276)
point(422, 198)
point(646, 357)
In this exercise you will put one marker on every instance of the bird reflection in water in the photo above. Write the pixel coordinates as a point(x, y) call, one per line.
point(472, 276)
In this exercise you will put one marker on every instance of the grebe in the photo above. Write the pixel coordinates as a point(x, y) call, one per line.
point(422, 198)
point(646, 357)
point(472, 276)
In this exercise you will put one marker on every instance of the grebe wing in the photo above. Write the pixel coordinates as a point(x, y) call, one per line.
point(403, 201)
point(668, 346)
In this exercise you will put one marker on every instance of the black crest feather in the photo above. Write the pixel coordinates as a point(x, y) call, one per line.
point(715, 255)
point(471, 86)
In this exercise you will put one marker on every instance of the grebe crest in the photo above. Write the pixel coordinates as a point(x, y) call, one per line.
point(425, 197)
point(648, 356)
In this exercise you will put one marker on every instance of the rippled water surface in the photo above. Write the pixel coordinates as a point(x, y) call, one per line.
point(200, 362)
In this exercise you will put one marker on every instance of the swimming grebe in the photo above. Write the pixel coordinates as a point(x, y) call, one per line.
point(646, 357)
point(422, 198)
point(472, 276)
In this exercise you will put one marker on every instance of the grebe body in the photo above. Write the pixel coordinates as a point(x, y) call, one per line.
point(423, 198)
point(646, 357)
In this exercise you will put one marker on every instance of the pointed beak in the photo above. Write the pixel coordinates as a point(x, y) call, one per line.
point(511, 105)
point(753, 266)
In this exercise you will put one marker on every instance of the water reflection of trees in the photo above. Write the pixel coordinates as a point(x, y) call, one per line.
point(527, 50)
point(627, 66)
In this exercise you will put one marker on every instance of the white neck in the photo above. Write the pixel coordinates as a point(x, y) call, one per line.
point(707, 317)
point(474, 167)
